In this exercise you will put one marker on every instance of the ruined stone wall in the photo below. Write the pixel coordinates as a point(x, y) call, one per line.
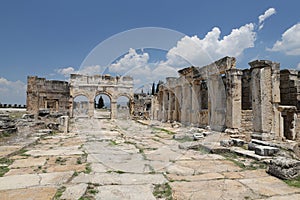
point(48, 95)
point(246, 90)
point(247, 123)
point(289, 88)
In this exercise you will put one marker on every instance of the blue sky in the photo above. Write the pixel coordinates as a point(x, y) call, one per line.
point(52, 38)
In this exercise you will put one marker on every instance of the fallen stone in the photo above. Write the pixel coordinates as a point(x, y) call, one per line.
point(226, 143)
point(45, 131)
point(28, 116)
point(182, 136)
point(206, 133)
point(53, 126)
point(198, 136)
point(265, 150)
point(238, 142)
point(189, 145)
point(251, 146)
point(284, 168)
point(260, 142)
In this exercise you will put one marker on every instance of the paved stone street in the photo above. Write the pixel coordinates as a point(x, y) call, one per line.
point(122, 159)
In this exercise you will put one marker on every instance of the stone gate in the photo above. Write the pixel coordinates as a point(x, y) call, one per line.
point(91, 86)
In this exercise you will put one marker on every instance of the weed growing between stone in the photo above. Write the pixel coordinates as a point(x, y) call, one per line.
point(294, 182)
point(59, 193)
point(163, 191)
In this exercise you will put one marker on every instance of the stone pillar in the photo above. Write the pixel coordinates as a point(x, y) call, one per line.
point(171, 106)
point(113, 107)
point(178, 103)
point(233, 100)
point(195, 96)
point(165, 106)
point(186, 99)
point(71, 106)
point(217, 103)
point(265, 82)
point(91, 109)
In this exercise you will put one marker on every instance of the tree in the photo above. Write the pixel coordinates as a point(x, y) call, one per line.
point(100, 103)
point(153, 89)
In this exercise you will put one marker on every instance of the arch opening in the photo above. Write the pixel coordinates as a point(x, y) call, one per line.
point(80, 106)
point(102, 106)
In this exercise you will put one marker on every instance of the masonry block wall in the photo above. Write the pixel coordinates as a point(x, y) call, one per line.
point(49, 95)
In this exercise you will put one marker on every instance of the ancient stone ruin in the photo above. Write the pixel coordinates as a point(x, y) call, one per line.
point(51, 96)
point(261, 102)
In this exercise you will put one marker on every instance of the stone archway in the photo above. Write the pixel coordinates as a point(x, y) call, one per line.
point(91, 86)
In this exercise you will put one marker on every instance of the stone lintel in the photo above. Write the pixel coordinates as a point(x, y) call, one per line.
point(216, 68)
point(264, 63)
point(234, 71)
point(287, 108)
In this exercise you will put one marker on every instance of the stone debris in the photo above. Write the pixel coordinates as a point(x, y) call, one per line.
point(198, 136)
point(238, 142)
point(226, 143)
point(190, 145)
point(284, 168)
point(265, 150)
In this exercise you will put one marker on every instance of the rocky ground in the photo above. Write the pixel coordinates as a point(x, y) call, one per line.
point(123, 159)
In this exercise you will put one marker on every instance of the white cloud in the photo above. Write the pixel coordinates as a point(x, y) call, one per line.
point(87, 70)
point(268, 13)
point(289, 43)
point(66, 71)
point(12, 92)
point(200, 52)
point(130, 61)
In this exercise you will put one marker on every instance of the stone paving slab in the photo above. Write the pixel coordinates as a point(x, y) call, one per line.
point(19, 181)
point(119, 179)
point(28, 162)
point(30, 180)
point(35, 193)
point(74, 191)
point(210, 190)
point(207, 166)
point(269, 186)
point(60, 151)
point(125, 192)
point(6, 150)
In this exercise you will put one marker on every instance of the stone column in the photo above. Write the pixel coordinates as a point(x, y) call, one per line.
point(171, 106)
point(71, 106)
point(185, 108)
point(165, 106)
point(195, 95)
point(265, 98)
point(178, 103)
point(233, 100)
point(91, 109)
point(217, 103)
point(113, 107)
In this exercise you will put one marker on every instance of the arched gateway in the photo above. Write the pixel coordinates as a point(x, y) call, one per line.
point(91, 86)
